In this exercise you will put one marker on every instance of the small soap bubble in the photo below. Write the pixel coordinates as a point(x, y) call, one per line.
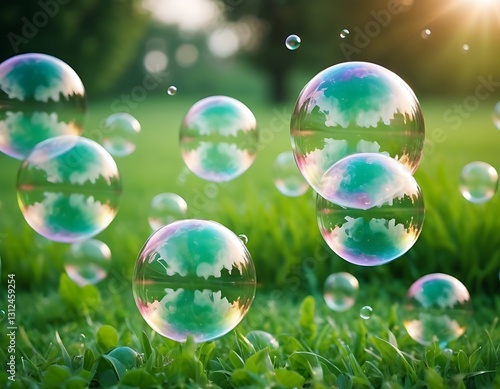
point(426, 33)
point(172, 90)
point(219, 138)
point(344, 33)
point(68, 189)
point(465, 48)
point(340, 291)
point(121, 131)
point(243, 238)
point(166, 208)
point(287, 177)
point(193, 278)
point(41, 97)
point(496, 115)
point(355, 107)
point(436, 309)
point(292, 42)
point(87, 263)
point(478, 182)
point(366, 312)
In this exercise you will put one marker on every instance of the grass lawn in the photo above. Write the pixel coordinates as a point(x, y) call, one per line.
point(65, 332)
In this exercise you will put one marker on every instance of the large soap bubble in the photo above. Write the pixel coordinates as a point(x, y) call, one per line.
point(355, 107)
point(68, 189)
point(194, 278)
point(40, 97)
point(378, 209)
point(436, 309)
point(218, 138)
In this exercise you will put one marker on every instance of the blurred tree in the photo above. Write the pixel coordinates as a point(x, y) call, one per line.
point(98, 39)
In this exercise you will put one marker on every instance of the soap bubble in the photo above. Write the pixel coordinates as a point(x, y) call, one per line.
point(465, 48)
point(436, 309)
point(496, 115)
point(287, 177)
point(344, 33)
point(340, 291)
point(87, 263)
point(166, 208)
point(377, 211)
point(355, 107)
point(366, 312)
point(40, 97)
point(194, 278)
point(478, 182)
point(292, 42)
point(121, 131)
point(172, 90)
point(218, 138)
point(426, 33)
point(262, 339)
point(68, 189)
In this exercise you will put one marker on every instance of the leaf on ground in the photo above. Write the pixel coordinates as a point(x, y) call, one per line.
point(289, 378)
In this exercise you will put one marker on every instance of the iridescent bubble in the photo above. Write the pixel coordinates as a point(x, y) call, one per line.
point(166, 208)
point(292, 42)
point(40, 97)
point(355, 107)
point(68, 189)
point(340, 291)
point(194, 278)
point(377, 211)
point(366, 312)
point(436, 309)
point(87, 263)
point(262, 339)
point(496, 115)
point(478, 182)
point(426, 34)
point(218, 138)
point(172, 90)
point(344, 33)
point(121, 131)
point(287, 177)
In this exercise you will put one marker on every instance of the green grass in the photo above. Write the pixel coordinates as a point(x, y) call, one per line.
point(318, 348)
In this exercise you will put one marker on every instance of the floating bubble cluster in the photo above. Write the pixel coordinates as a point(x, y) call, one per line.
point(218, 138)
point(436, 309)
point(478, 182)
point(166, 208)
point(355, 107)
point(194, 278)
point(377, 211)
point(292, 42)
point(287, 177)
point(340, 291)
point(40, 97)
point(121, 131)
point(68, 189)
point(87, 263)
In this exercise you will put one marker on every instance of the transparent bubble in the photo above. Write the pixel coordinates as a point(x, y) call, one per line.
point(287, 177)
point(292, 42)
point(465, 48)
point(355, 107)
point(121, 131)
point(40, 97)
point(496, 115)
point(219, 138)
point(68, 189)
point(436, 309)
point(172, 90)
point(377, 211)
point(166, 208)
point(344, 33)
point(87, 263)
point(194, 278)
point(262, 339)
point(243, 238)
point(478, 182)
point(340, 291)
point(366, 312)
point(426, 34)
